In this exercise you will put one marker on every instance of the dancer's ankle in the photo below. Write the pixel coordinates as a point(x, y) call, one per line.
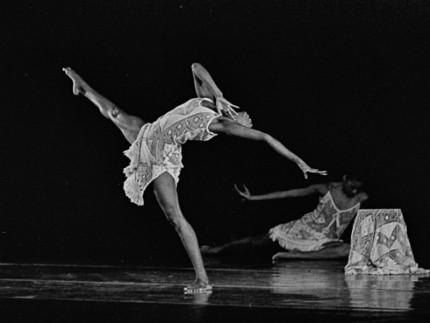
point(200, 285)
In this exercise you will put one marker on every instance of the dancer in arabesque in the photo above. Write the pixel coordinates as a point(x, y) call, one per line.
point(155, 152)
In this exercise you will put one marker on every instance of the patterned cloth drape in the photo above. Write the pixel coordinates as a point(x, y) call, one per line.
point(380, 244)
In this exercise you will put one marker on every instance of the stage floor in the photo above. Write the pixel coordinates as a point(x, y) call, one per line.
point(242, 292)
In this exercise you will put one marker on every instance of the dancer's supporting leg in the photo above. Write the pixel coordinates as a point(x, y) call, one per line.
point(239, 245)
point(334, 251)
point(128, 124)
point(167, 197)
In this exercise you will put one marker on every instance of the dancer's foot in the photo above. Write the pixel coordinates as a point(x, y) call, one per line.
point(208, 250)
point(82, 87)
point(79, 84)
point(285, 255)
point(198, 287)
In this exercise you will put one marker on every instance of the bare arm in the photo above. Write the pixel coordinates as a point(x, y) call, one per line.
point(228, 127)
point(203, 83)
point(298, 192)
point(206, 88)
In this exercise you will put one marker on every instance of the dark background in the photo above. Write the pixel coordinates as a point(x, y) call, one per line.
point(344, 84)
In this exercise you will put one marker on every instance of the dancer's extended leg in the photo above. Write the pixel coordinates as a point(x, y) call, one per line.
point(167, 197)
point(128, 124)
point(329, 252)
point(239, 245)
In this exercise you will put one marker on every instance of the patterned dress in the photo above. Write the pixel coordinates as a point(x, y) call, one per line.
point(157, 149)
point(324, 224)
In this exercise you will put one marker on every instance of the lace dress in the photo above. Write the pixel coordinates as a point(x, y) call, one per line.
point(157, 149)
point(324, 224)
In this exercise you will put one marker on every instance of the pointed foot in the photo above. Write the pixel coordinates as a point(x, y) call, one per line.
point(78, 82)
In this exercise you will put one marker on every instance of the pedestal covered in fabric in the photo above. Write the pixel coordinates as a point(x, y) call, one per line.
point(380, 244)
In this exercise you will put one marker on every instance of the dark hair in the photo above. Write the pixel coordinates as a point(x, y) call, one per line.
point(338, 175)
point(354, 177)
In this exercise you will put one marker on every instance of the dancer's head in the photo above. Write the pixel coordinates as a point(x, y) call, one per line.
point(352, 185)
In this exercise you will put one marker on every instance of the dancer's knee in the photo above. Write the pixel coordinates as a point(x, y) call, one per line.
point(130, 126)
point(174, 216)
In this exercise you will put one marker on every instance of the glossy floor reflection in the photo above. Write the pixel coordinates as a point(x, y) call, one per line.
point(295, 289)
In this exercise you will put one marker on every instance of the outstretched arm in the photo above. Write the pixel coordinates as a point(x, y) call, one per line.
point(312, 189)
point(228, 127)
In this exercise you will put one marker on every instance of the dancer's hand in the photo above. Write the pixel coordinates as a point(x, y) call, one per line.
point(246, 194)
point(306, 169)
point(244, 119)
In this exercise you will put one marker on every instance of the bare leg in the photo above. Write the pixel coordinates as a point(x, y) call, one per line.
point(330, 252)
point(129, 125)
point(167, 197)
point(238, 245)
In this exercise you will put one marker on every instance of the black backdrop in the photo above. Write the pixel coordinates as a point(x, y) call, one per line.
point(344, 84)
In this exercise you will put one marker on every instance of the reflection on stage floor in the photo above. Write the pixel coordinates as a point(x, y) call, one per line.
point(297, 288)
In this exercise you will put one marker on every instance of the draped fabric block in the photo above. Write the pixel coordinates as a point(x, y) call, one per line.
point(380, 244)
